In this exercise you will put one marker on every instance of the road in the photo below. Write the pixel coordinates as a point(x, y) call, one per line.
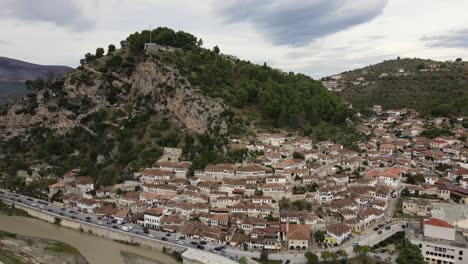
point(369, 236)
point(91, 219)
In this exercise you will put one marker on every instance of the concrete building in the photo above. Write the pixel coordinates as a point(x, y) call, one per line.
point(440, 242)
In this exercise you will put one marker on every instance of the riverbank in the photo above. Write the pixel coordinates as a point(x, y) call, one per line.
point(95, 249)
point(23, 249)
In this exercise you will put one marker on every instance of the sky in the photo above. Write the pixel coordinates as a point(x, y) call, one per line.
point(315, 37)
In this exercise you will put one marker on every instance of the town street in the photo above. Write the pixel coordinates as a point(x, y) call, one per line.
point(369, 237)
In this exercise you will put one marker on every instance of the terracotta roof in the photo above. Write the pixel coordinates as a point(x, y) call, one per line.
point(298, 232)
point(338, 229)
point(57, 185)
point(156, 172)
point(83, 180)
point(438, 222)
point(155, 211)
point(106, 210)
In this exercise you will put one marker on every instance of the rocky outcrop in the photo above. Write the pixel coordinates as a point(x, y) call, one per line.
point(66, 102)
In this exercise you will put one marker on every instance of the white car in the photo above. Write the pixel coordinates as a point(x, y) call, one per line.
point(150, 235)
point(180, 242)
point(33, 204)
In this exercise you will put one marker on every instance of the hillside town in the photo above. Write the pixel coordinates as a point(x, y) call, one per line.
point(293, 194)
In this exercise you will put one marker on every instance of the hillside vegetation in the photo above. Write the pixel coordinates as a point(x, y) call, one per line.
point(115, 113)
point(438, 91)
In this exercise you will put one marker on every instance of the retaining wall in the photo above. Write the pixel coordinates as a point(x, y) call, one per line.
point(101, 231)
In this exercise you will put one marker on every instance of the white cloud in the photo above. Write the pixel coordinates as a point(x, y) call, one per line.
point(61, 32)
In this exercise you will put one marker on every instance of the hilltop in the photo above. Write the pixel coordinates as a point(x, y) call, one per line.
point(431, 87)
point(14, 73)
point(114, 114)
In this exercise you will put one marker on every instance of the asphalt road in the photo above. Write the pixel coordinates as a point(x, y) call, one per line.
point(66, 213)
point(369, 236)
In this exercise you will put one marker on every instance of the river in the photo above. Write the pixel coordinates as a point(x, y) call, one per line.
point(96, 250)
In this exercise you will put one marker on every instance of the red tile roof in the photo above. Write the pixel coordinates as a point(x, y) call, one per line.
point(438, 222)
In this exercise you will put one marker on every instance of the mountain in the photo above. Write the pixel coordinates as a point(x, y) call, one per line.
point(434, 88)
point(14, 73)
point(114, 114)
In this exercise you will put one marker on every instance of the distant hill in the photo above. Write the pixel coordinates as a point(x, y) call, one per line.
point(14, 73)
point(432, 87)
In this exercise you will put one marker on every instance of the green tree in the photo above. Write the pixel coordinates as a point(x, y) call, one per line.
point(258, 192)
point(216, 49)
point(99, 52)
point(297, 155)
point(362, 250)
point(284, 203)
point(311, 257)
point(410, 254)
point(243, 260)
point(319, 236)
point(405, 192)
point(264, 256)
point(110, 49)
point(89, 57)
point(325, 255)
point(342, 254)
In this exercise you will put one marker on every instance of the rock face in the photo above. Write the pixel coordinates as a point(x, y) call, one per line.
point(150, 86)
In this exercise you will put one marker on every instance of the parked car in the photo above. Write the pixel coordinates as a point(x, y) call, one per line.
point(164, 238)
point(168, 234)
point(150, 235)
point(388, 228)
point(194, 243)
point(200, 247)
point(376, 228)
point(379, 232)
point(202, 242)
point(180, 242)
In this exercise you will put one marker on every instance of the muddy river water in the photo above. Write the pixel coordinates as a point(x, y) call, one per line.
point(95, 249)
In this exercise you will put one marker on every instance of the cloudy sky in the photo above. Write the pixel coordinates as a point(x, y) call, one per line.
point(316, 37)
